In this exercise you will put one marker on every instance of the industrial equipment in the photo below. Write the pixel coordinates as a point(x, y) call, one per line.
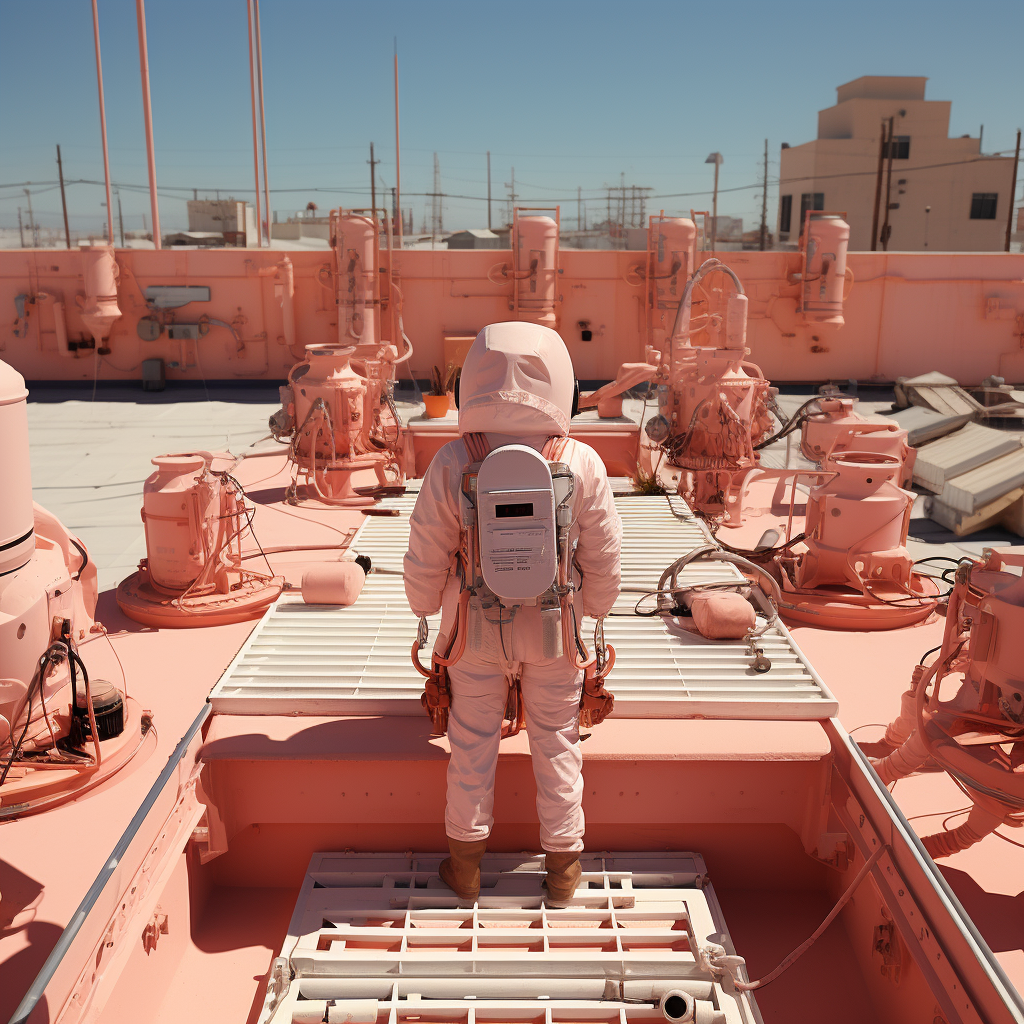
point(195, 516)
point(975, 728)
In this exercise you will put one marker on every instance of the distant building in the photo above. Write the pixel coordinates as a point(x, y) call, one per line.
point(474, 238)
point(944, 195)
point(232, 220)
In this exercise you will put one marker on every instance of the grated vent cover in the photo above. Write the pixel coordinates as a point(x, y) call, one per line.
point(324, 660)
point(379, 939)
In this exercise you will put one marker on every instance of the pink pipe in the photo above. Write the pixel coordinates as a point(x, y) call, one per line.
point(147, 110)
point(103, 120)
point(255, 129)
point(263, 113)
point(398, 161)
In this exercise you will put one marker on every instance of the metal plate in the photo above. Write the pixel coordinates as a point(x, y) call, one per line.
point(170, 296)
point(382, 928)
point(324, 660)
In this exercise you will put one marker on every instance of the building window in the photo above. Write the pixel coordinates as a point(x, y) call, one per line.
point(900, 147)
point(785, 213)
point(810, 201)
point(983, 205)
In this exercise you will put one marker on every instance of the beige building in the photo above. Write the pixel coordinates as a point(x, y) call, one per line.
point(943, 195)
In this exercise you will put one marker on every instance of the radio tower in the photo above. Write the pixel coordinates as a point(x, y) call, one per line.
point(436, 219)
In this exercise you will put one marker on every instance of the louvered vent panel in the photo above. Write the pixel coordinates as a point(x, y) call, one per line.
point(309, 659)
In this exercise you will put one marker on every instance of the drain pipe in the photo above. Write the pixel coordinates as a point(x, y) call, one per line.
point(285, 272)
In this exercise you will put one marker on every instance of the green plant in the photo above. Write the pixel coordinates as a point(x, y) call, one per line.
point(444, 383)
point(647, 483)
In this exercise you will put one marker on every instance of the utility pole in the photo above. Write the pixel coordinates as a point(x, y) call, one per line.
point(878, 189)
point(764, 201)
point(398, 154)
point(120, 218)
point(488, 190)
point(33, 231)
point(64, 201)
point(21, 229)
point(373, 183)
point(886, 228)
point(1013, 195)
point(512, 196)
point(436, 217)
point(716, 159)
point(579, 208)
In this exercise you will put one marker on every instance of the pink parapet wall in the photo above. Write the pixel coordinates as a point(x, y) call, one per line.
point(904, 313)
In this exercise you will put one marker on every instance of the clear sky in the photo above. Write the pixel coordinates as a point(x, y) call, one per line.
point(572, 94)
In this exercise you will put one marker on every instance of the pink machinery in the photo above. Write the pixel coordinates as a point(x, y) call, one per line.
point(195, 517)
point(61, 732)
point(713, 408)
point(337, 410)
point(975, 730)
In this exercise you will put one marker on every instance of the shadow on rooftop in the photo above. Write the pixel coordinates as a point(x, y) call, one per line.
point(999, 918)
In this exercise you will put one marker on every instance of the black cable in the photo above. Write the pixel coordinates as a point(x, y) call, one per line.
point(926, 653)
point(38, 680)
point(83, 553)
point(795, 421)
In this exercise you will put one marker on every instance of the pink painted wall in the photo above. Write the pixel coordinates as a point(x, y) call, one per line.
point(907, 313)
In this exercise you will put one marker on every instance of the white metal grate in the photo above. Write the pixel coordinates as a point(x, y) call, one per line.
point(310, 659)
point(379, 939)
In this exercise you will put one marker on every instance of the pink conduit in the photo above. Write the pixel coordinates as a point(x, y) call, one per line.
point(103, 120)
point(147, 111)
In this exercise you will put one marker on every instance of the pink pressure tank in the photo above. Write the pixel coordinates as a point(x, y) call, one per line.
point(671, 244)
point(100, 308)
point(329, 380)
point(178, 500)
point(536, 270)
point(356, 247)
point(824, 278)
point(17, 534)
point(857, 522)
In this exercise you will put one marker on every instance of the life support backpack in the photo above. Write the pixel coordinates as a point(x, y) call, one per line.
point(596, 701)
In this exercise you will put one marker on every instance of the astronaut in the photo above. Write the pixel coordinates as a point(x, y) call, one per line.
point(517, 387)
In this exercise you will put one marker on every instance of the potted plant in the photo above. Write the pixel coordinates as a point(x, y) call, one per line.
point(438, 400)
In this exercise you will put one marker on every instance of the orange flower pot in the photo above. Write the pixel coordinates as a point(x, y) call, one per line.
point(436, 406)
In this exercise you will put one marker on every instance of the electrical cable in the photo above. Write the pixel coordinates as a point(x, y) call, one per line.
point(38, 679)
point(83, 553)
point(795, 421)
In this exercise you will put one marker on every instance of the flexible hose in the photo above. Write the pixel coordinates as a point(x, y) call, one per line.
point(981, 822)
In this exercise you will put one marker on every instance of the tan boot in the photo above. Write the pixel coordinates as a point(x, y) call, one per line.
point(461, 871)
point(564, 873)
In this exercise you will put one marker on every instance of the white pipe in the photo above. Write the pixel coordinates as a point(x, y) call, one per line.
point(702, 271)
point(503, 988)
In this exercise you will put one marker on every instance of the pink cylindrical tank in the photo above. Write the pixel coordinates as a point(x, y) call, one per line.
point(176, 500)
point(856, 523)
point(736, 323)
point(100, 310)
point(17, 533)
point(537, 269)
point(824, 283)
point(672, 243)
point(328, 375)
point(357, 242)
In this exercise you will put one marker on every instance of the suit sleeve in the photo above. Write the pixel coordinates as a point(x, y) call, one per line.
point(599, 548)
point(434, 533)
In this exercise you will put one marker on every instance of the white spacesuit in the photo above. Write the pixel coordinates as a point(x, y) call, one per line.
point(516, 388)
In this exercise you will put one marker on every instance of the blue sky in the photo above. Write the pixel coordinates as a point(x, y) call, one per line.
point(571, 94)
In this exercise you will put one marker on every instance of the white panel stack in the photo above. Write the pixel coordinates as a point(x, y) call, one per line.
point(959, 453)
